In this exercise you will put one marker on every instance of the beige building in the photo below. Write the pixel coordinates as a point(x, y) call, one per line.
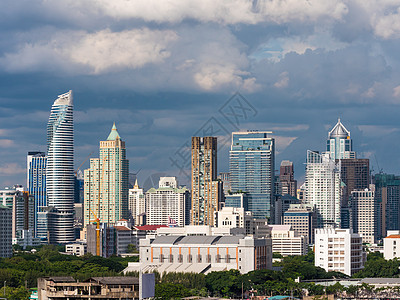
point(137, 203)
point(287, 241)
point(206, 189)
point(365, 214)
point(302, 219)
point(106, 182)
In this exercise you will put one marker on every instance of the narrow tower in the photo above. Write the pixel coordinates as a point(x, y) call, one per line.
point(60, 170)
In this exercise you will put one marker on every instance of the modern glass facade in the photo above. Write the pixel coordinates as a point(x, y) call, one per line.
point(60, 170)
point(36, 184)
point(239, 200)
point(252, 165)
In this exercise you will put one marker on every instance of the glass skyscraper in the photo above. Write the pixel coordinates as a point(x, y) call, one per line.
point(339, 144)
point(60, 170)
point(251, 166)
point(36, 184)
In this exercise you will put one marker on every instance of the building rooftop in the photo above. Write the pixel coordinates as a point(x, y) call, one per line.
point(113, 134)
point(122, 228)
point(339, 131)
point(61, 278)
point(115, 280)
point(149, 227)
point(393, 236)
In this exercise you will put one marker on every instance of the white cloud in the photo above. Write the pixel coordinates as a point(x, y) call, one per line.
point(6, 143)
point(223, 11)
point(95, 52)
point(11, 169)
point(283, 80)
point(396, 91)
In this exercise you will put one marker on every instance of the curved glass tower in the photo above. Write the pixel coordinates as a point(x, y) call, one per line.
point(60, 170)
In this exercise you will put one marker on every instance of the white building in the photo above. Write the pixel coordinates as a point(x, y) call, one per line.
point(78, 249)
point(365, 214)
point(5, 231)
point(323, 188)
point(391, 244)
point(287, 241)
point(60, 179)
point(136, 202)
point(236, 217)
point(339, 250)
point(168, 204)
point(203, 254)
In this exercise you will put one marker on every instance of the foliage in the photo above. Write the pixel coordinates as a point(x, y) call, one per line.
point(377, 266)
point(168, 291)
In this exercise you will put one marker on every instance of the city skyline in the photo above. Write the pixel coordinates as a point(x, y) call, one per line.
point(163, 76)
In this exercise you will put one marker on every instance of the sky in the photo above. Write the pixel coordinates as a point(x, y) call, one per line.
point(164, 71)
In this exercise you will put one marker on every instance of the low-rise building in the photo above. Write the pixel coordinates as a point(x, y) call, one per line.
point(78, 249)
point(391, 244)
point(25, 238)
point(58, 288)
point(203, 254)
point(339, 250)
point(287, 241)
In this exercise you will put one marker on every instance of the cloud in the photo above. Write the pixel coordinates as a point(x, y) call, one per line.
point(96, 52)
point(223, 11)
point(283, 80)
point(396, 91)
point(5, 143)
point(11, 169)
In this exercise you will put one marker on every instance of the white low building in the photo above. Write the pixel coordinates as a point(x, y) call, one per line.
point(78, 249)
point(391, 244)
point(202, 254)
point(339, 250)
point(287, 241)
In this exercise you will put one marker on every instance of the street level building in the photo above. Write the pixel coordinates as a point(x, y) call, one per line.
point(339, 250)
point(203, 254)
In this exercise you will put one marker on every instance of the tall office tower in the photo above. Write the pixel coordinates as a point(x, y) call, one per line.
point(5, 231)
point(36, 185)
point(355, 176)
point(252, 167)
point(60, 170)
point(302, 219)
point(339, 145)
point(387, 192)
point(106, 182)
point(323, 188)
point(365, 214)
point(136, 203)
point(168, 205)
point(206, 189)
point(288, 184)
point(22, 206)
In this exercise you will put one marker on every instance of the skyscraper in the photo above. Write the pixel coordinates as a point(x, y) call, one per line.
point(288, 184)
point(106, 182)
point(339, 144)
point(206, 189)
point(137, 203)
point(323, 188)
point(252, 165)
point(36, 185)
point(60, 170)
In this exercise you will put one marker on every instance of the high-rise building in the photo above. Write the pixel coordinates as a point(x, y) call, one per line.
point(5, 231)
point(387, 193)
point(252, 167)
point(302, 218)
point(365, 214)
point(169, 204)
point(226, 182)
point(339, 144)
point(60, 170)
point(106, 182)
point(22, 208)
point(323, 188)
point(137, 203)
point(288, 185)
point(36, 185)
point(206, 189)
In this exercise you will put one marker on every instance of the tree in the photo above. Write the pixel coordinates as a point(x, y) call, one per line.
point(168, 291)
point(132, 248)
